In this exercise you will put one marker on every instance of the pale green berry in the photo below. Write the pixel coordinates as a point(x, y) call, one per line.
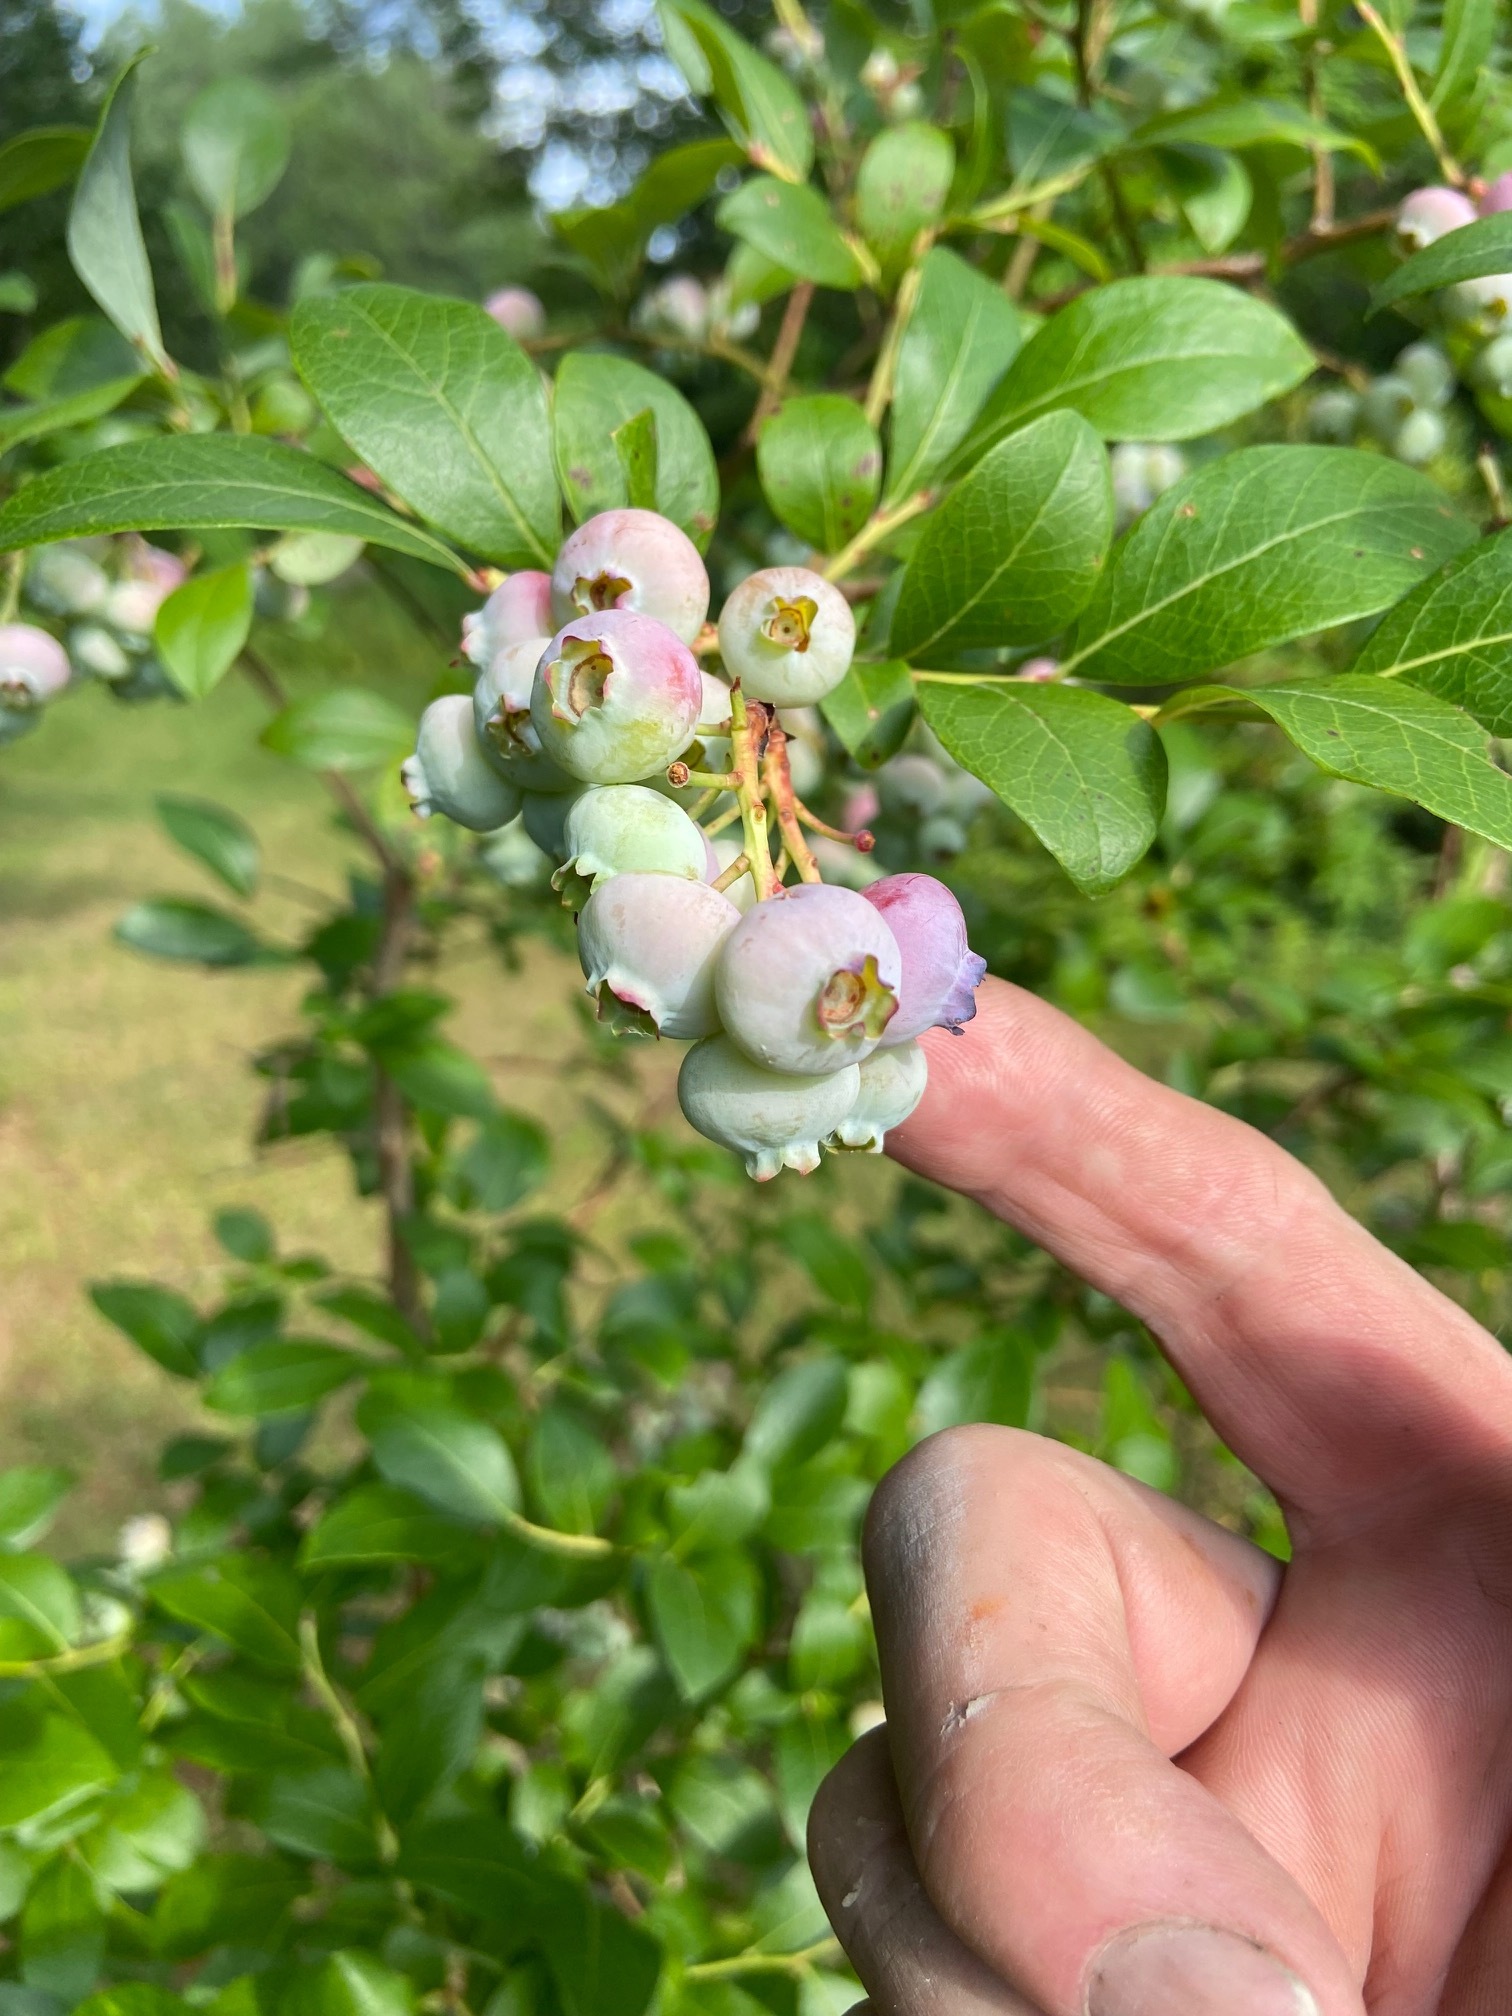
point(1387, 402)
point(95, 649)
point(1420, 439)
point(1481, 305)
point(1492, 367)
point(1334, 414)
point(787, 635)
point(774, 1120)
point(892, 1084)
point(649, 945)
point(545, 816)
point(1429, 373)
point(450, 774)
point(66, 581)
point(622, 828)
point(501, 716)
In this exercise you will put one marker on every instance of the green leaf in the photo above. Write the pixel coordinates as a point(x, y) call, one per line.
point(168, 927)
point(1261, 546)
point(47, 1763)
point(222, 840)
point(375, 1524)
point(156, 1320)
point(18, 294)
point(133, 1998)
point(286, 1375)
point(349, 1984)
point(1016, 550)
point(790, 223)
point(79, 354)
point(438, 1077)
point(613, 238)
point(235, 141)
point(829, 1642)
point(62, 1931)
point(346, 728)
point(40, 1603)
point(40, 160)
point(105, 244)
point(148, 1833)
point(250, 1605)
point(1213, 189)
point(1464, 254)
point(762, 109)
point(902, 186)
point(990, 1380)
point(1247, 122)
point(960, 339)
point(73, 409)
point(1157, 359)
point(1469, 36)
point(595, 395)
point(1453, 635)
point(704, 1619)
point(326, 1815)
point(1085, 773)
point(635, 444)
point(797, 1413)
point(203, 482)
point(449, 1458)
point(202, 626)
point(871, 710)
point(820, 464)
point(237, 1900)
point(245, 1235)
point(30, 1494)
point(444, 406)
point(506, 1159)
point(1396, 737)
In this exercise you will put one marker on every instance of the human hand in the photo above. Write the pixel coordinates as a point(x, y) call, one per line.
point(1133, 1766)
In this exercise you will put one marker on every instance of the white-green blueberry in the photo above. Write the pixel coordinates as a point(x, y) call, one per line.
point(1480, 306)
point(450, 774)
point(649, 945)
point(912, 783)
point(1386, 403)
point(33, 666)
point(501, 715)
point(1334, 414)
point(774, 1120)
point(95, 649)
point(891, 1085)
point(1421, 437)
point(512, 858)
point(545, 816)
point(809, 979)
point(151, 576)
point(619, 829)
point(616, 697)
point(66, 580)
point(1491, 367)
point(1429, 373)
point(787, 635)
point(632, 560)
point(518, 609)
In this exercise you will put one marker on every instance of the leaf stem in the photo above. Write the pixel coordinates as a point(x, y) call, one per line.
point(881, 525)
point(784, 350)
point(72, 1661)
point(765, 1963)
point(1417, 104)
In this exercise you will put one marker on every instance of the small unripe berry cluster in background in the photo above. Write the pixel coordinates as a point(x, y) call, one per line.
point(1405, 410)
point(593, 724)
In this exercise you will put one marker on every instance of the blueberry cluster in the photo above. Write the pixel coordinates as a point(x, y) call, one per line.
point(592, 715)
point(1404, 409)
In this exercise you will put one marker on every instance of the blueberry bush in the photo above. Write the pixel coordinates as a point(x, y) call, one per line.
point(1055, 522)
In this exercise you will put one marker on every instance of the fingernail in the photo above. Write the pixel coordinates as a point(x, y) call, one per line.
point(1186, 1970)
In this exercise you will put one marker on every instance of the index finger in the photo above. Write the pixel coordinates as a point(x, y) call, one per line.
point(1326, 1364)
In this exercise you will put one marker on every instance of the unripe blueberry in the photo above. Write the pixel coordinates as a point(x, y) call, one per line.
point(726, 852)
point(678, 307)
point(892, 1084)
point(714, 709)
point(649, 945)
point(616, 697)
point(862, 805)
point(95, 649)
point(911, 784)
point(941, 973)
point(787, 635)
point(517, 610)
point(1497, 196)
point(1491, 367)
point(545, 817)
point(1481, 305)
point(1165, 465)
point(634, 560)
point(1133, 492)
point(776, 1120)
point(1038, 670)
point(1334, 414)
point(942, 837)
point(517, 311)
point(147, 680)
point(66, 580)
point(1421, 437)
point(513, 859)
point(625, 828)
point(33, 666)
point(809, 979)
point(150, 578)
point(501, 716)
point(1429, 214)
point(1387, 402)
point(449, 773)
point(1429, 373)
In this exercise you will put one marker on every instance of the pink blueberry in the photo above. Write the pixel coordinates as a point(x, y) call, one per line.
point(33, 666)
point(1497, 196)
point(649, 944)
point(616, 697)
point(940, 971)
point(1429, 214)
point(634, 560)
point(518, 608)
point(809, 979)
point(517, 311)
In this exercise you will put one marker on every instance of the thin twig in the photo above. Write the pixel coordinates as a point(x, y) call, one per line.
point(1417, 104)
point(784, 350)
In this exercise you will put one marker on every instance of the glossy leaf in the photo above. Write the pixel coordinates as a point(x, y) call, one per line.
point(612, 238)
point(449, 1458)
point(444, 406)
point(346, 728)
point(595, 395)
point(286, 1375)
point(202, 482)
point(704, 1618)
point(1467, 253)
point(1247, 122)
point(156, 1320)
point(235, 142)
point(105, 244)
point(797, 1413)
point(62, 1930)
point(202, 626)
point(72, 409)
point(1453, 635)
point(250, 1605)
point(820, 464)
point(376, 1523)
point(757, 102)
point(1469, 36)
point(39, 1607)
point(1261, 546)
point(40, 160)
point(989, 1380)
point(168, 927)
point(1154, 359)
point(1014, 553)
point(47, 1763)
point(1085, 773)
point(871, 710)
point(223, 841)
point(30, 1494)
point(1389, 734)
point(635, 444)
point(901, 187)
point(960, 339)
point(82, 353)
point(792, 225)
